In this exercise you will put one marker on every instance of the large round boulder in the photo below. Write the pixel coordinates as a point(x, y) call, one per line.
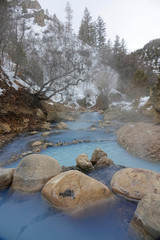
point(141, 139)
point(74, 190)
point(135, 183)
point(6, 175)
point(34, 171)
point(147, 217)
point(83, 163)
point(97, 154)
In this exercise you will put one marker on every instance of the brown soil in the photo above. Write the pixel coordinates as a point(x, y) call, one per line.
point(6, 138)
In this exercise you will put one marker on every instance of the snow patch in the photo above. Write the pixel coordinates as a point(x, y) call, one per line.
point(143, 101)
point(16, 83)
point(1, 91)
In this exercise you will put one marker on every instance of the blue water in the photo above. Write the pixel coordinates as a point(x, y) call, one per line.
point(28, 216)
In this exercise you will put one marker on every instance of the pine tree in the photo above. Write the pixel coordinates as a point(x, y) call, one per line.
point(123, 46)
point(116, 46)
point(57, 26)
point(69, 17)
point(87, 31)
point(100, 32)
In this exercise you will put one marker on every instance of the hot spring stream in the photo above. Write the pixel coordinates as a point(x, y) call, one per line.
point(29, 217)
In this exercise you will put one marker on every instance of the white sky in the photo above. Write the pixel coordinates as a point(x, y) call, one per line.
point(137, 21)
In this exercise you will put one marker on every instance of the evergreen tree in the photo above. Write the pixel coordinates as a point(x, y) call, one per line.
point(69, 17)
point(87, 32)
point(116, 46)
point(100, 32)
point(57, 26)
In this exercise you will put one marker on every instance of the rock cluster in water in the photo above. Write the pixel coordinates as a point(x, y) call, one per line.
point(73, 190)
point(99, 159)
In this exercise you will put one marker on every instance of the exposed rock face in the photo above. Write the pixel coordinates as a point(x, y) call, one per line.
point(98, 153)
point(135, 183)
point(141, 139)
point(104, 161)
point(46, 126)
point(74, 190)
point(58, 116)
point(147, 217)
point(34, 171)
point(82, 162)
point(39, 17)
point(31, 4)
point(40, 114)
point(6, 175)
point(4, 128)
point(62, 125)
point(57, 112)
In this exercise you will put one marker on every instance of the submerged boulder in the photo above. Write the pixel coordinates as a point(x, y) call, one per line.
point(82, 162)
point(135, 183)
point(62, 125)
point(74, 190)
point(6, 175)
point(34, 171)
point(37, 143)
point(146, 219)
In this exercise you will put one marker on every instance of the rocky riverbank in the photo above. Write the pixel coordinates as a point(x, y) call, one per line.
point(141, 139)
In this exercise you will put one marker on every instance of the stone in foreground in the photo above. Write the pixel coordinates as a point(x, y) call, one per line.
point(34, 171)
point(82, 162)
point(74, 190)
point(6, 175)
point(146, 219)
point(135, 183)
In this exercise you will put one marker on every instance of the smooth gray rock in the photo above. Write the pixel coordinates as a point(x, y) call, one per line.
point(34, 171)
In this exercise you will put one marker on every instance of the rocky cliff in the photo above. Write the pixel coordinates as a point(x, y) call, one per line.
point(33, 9)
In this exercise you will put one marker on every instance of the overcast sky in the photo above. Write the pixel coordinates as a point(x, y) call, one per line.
point(137, 21)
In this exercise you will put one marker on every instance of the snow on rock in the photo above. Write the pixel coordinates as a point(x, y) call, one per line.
point(143, 101)
point(124, 105)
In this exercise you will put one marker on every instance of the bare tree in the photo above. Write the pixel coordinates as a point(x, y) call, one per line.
point(106, 80)
point(5, 12)
point(61, 70)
